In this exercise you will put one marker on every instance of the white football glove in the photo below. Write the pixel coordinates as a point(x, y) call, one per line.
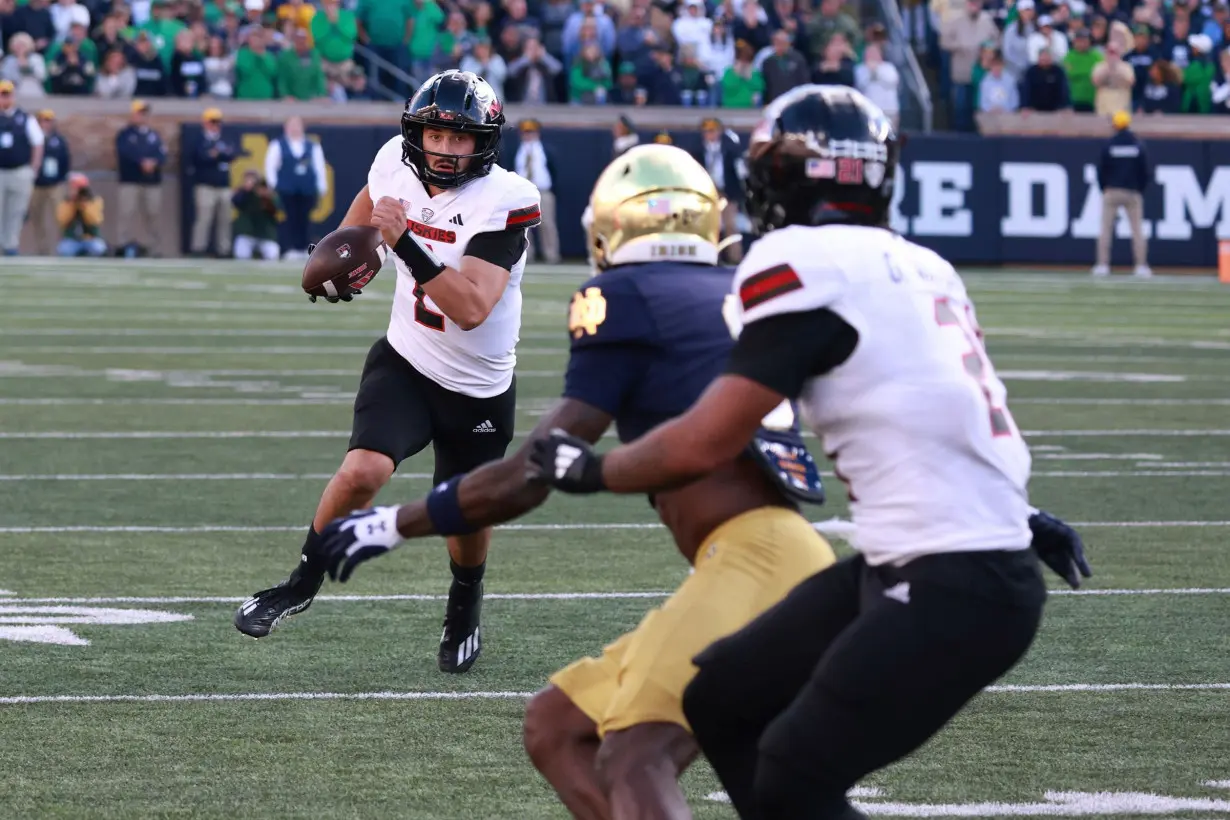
point(358, 537)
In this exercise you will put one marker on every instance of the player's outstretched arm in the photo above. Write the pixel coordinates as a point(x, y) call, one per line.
point(493, 494)
point(772, 360)
point(713, 432)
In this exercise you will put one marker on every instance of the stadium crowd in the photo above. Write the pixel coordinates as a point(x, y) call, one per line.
point(1152, 56)
point(734, 54)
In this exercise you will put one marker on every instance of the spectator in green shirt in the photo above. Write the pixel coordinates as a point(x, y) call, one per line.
point(428, 20)
point(256, 70)
point(1079, 63)
point(335, 31)
point(162, 27)
point(300, 74)
point(386, 26)
point(590, 78)
point(1198, 76)
point(215, 10)
point(742, 85)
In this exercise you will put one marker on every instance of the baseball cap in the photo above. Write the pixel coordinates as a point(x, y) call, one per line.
point(7, 85)
point(46, 114)
point(530, 124)
point(138, 106)
point(1121, 119)
point(212, 115)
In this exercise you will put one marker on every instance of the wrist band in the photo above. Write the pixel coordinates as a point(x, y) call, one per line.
point(423, 264)
point(444, 509)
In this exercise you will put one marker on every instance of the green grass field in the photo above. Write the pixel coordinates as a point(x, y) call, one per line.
point(166, 429)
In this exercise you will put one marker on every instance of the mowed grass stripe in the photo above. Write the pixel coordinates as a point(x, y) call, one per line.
point(211, 697)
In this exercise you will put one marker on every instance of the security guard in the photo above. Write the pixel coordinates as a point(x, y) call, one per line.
point(21, 151)
point(1123, 176)
point(211, 177)
point(722, 157)
point(533, 161)
point(295, 168)
point(141, 157)
point(49, 184)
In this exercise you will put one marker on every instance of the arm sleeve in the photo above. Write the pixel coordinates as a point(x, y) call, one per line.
point(500, 248)
point(318, 164)
point(785, 350)
point(34, 132)
point(273, 159)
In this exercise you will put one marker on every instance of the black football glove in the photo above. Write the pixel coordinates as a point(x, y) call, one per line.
point(1060, 548)
point(350, 540)
point(566, 463)
point(341, 297)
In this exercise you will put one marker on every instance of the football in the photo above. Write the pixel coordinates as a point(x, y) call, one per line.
point(344, 261)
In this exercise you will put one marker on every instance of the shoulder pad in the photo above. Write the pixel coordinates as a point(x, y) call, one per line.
point(386, 164)
point(607, 310)
point(516, 203)
point(785, 273)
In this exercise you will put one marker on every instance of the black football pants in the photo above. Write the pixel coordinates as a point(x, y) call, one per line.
point(856, 668)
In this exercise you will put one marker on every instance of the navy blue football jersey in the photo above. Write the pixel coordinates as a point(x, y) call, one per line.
point(647, 339)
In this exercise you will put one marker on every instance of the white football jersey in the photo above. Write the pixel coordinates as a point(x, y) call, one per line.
point(916, 419)
point(476, 362)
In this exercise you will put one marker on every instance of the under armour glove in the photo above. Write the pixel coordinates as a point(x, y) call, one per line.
point(566, 463)
point(1060, 548)
point(350, 540)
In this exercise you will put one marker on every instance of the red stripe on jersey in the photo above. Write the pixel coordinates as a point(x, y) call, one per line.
point(768, 284)
point(523, 217)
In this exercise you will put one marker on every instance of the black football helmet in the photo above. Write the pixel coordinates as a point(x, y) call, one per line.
point(822, 154)
point(459, 101)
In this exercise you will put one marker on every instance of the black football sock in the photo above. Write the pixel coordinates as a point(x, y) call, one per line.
point(312, 560)
point(467, 575)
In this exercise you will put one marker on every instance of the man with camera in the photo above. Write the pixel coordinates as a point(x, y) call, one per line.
point(80, 215)
point(256, 224)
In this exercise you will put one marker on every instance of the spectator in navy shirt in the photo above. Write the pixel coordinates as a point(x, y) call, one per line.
point(1141, 59)
point(210, 172)
point(1164, 92)
point(661, 80)
point(153, 80)
point(1045, 86)
point(34, 19)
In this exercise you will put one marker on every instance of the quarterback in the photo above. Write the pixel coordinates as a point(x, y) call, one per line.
point(456, 224)
point(648, 333)
point(877, 339)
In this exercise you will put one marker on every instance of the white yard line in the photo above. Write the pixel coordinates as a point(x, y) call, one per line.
point(215, 697)
point(198, 434)
point(1203, 472)
point(834, 525)
point(209, 528)
point(516, 596)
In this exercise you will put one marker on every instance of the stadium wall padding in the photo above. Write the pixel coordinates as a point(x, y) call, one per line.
point(976, 200)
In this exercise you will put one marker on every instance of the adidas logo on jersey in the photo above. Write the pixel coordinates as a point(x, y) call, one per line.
point(485, 427)
point(456, 220)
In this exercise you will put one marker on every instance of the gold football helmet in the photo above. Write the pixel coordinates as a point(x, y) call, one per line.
point(653, 203)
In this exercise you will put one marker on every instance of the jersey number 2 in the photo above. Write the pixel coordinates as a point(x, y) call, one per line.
point(975, 360)
point(423, 315)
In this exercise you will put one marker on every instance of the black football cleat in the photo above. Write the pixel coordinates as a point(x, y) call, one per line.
point(461, 642)
point(260, 614)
